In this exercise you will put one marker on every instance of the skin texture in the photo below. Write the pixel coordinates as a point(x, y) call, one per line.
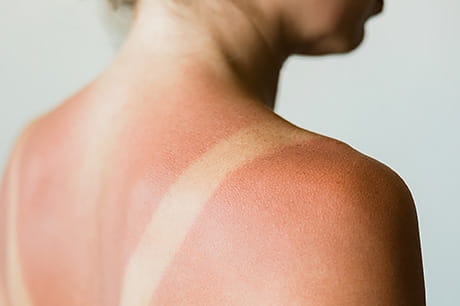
point(169, 180)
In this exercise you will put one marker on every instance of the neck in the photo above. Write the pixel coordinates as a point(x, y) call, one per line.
point(185, 48)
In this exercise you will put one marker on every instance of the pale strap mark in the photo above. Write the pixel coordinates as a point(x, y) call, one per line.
point(184, 201)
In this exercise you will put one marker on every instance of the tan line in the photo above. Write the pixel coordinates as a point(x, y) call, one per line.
point(185, 200)
point(15, 284)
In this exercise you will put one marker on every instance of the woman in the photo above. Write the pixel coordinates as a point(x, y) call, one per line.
point(169, 180)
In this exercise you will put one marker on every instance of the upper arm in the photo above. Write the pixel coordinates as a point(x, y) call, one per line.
point(8, 201)
point(327, 227)
point(3, 222)
point(365, 245)
point(5, 194)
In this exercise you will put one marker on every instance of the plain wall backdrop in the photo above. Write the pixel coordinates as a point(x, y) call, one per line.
point(396, 98)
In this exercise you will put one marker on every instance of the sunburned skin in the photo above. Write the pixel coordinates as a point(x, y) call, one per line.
point(199, 200)
point(169, 180)
point(105, 230)
point(14, 285)
point(185, 200)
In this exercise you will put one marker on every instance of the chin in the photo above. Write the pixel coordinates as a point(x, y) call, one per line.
point(352, 44)
point(348, 42)
point(336, 44)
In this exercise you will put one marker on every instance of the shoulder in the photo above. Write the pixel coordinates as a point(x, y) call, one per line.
point(365, 231)
point(336, 226)
point(339, 171)
point(16, 163)
point(18, 147)
point(322, 174)
point(39, 143)
point(24, 158)
point(329, 170)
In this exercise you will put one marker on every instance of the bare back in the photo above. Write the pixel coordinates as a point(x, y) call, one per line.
point(130, 209)
point(90, 206)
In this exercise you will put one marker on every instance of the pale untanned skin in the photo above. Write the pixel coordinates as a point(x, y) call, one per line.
point(169, 180)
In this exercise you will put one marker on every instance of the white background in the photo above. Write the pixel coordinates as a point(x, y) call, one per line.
point(396, 99)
